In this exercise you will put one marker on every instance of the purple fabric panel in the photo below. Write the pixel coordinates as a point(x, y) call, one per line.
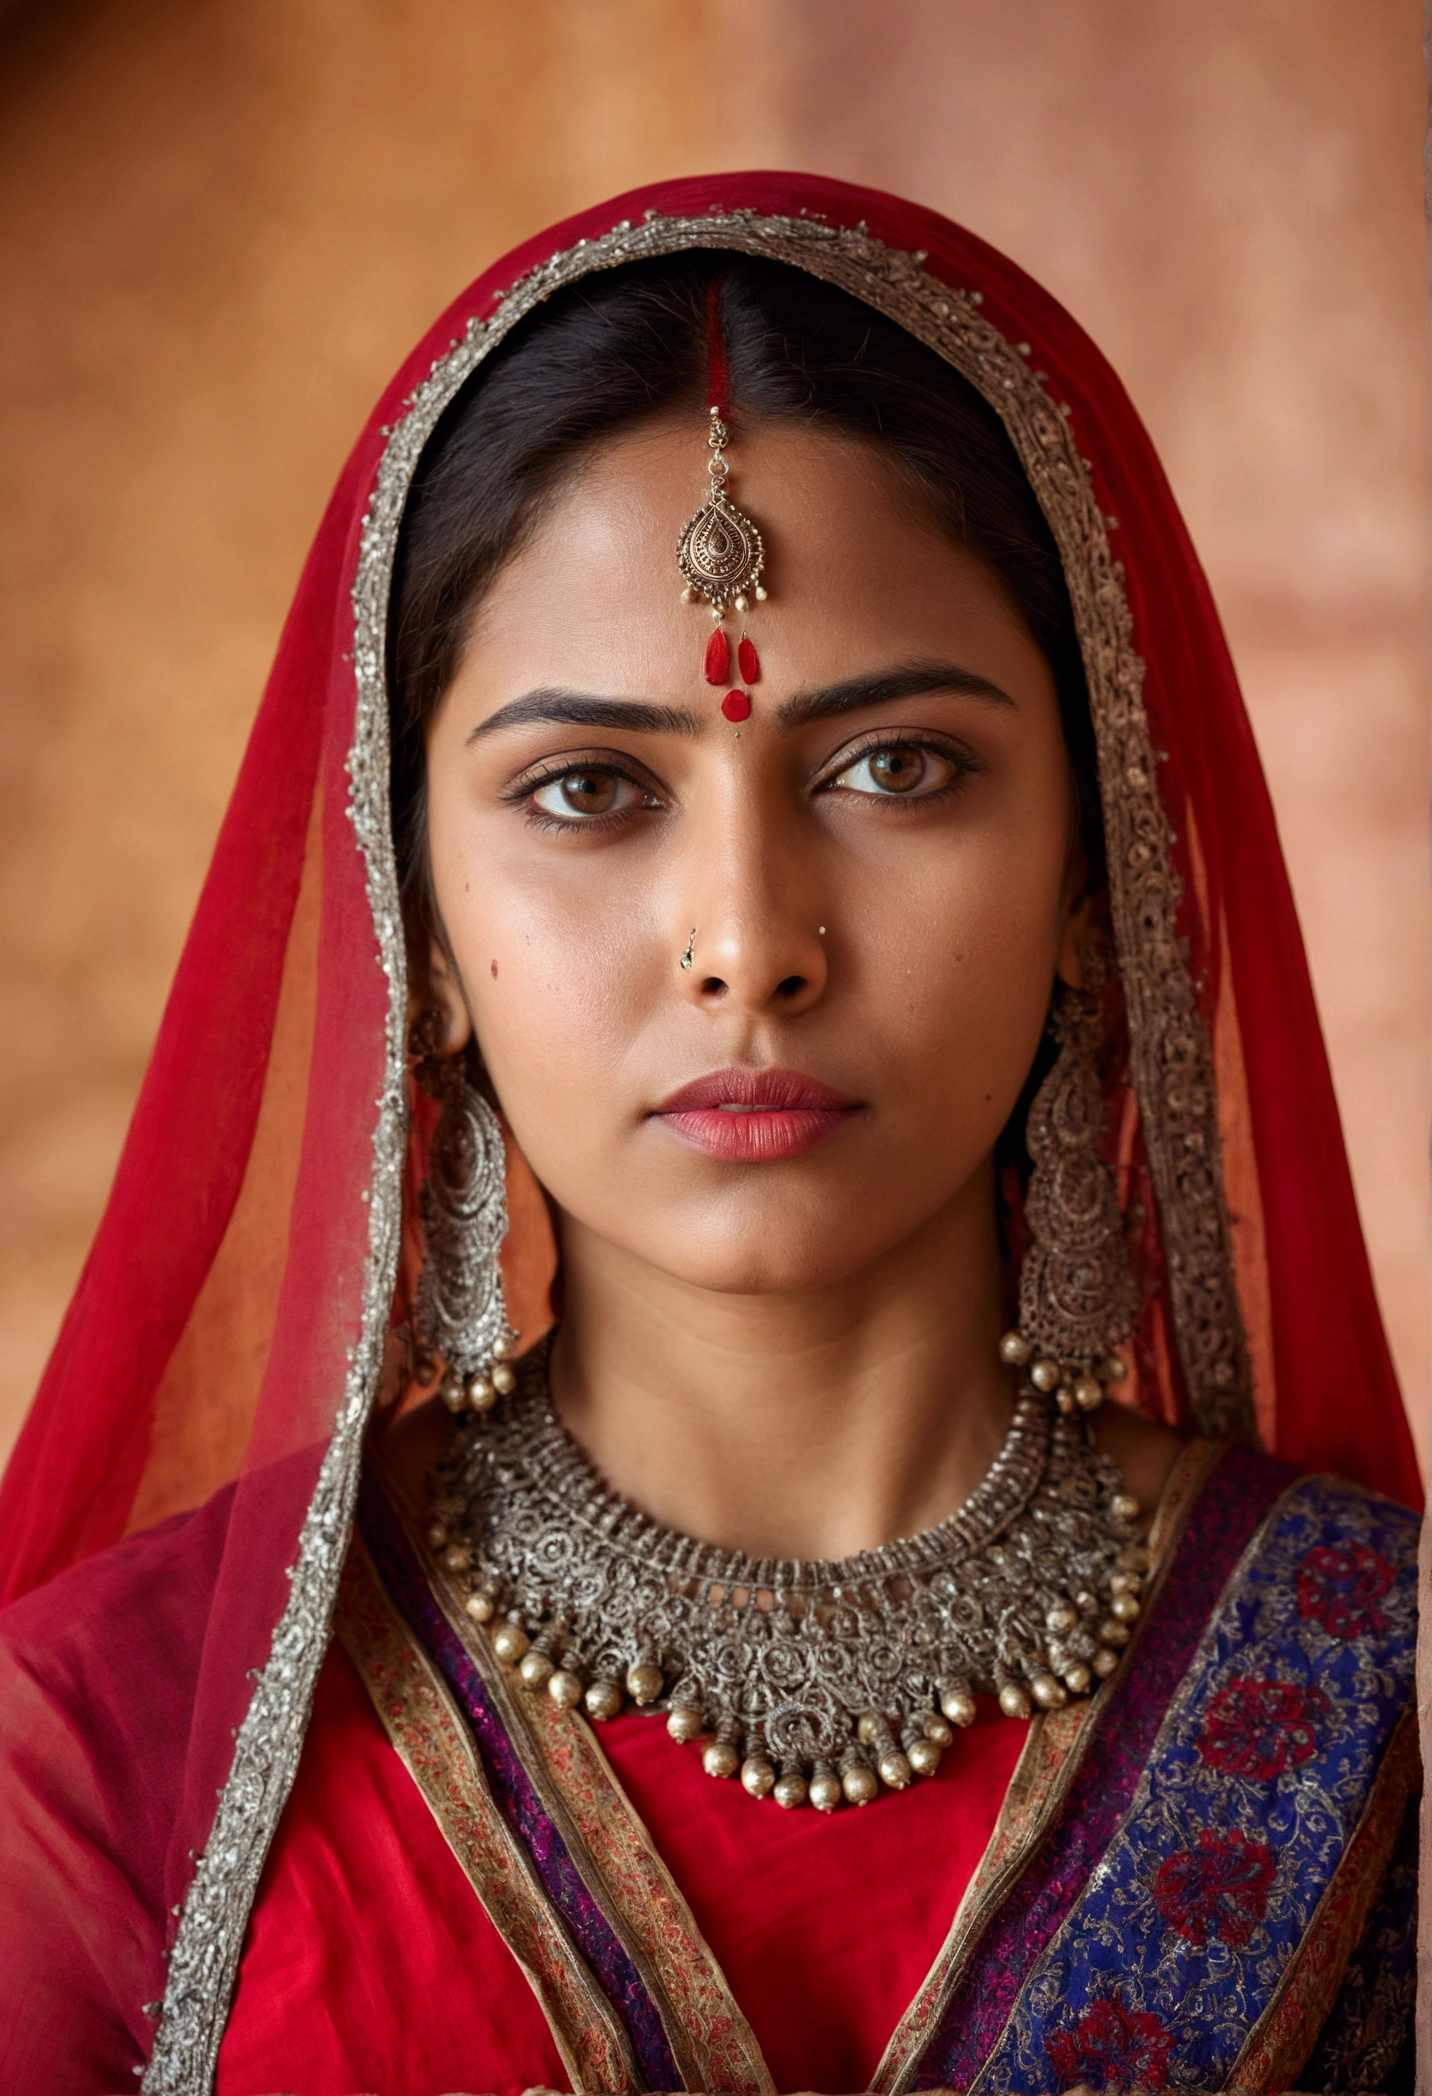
point(516, 1798)
point(1233, 1502)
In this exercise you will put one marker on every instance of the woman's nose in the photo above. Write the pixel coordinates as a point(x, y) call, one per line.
point(755, 940)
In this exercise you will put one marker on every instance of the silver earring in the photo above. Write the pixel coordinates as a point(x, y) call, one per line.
point(1077, 1294)
point(461, 1313)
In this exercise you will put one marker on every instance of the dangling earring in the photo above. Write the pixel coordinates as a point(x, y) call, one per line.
point(1077, 1294)
point(461, 1312)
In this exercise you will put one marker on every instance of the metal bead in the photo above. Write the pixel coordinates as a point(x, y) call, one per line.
point(760, 593)
point(1126, 1583)
point(790, 1789)
point(938, 1729)
point(758, 1778)
point(1014, 1702)
point(871, 1729)
point(565, 1688)
point(1113, 1632)
point(826, 1790)
point(1088, 1394)
point(644, 1682)
point(923, 1756)
point(1015, 1349)
point(895, 1770)
point(535, 1669)
point(1113, 1368)
point(1134, 1557)
point(456, 1559)
point(720, 1759)
point(689, 595)
point(1045, 1375)
point(1048, 1693)
point(685, 1724)
point(479, 1607)
point(1061, 1618)
point(1077, 1679)
point(742, 604)
point(509, 1642)
point(504, 1379)
point(480, 1394)
point(958, 1705)
point(861, 1785)
point(1105, 1662)
point(453, 1395)
point(603, 1700)
point(502, 1349)
point(1127, 1607)
point(1124, 1507)
point(437, 1535)
point(1065, 1399)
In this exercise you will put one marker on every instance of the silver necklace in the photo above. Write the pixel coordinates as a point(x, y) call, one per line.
point(815, 1682)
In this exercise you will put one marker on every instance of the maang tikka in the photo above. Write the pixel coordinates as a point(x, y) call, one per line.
point(461, 1313)
point(720, 552)
point(1077, 1293)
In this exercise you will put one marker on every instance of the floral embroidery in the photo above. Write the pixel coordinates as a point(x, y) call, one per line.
point(1256, 1728)
point(1340, 1585)
point(1218, 1889)
point(1113, 2047)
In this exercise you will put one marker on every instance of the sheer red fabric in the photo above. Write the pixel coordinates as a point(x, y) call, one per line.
point(212, 1336)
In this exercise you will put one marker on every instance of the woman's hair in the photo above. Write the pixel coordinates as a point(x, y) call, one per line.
point(621, 348)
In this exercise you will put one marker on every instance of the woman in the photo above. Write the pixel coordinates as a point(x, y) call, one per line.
point(819, 790)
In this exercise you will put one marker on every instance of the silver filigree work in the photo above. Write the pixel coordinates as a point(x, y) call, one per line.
point(1077, 1294)
point(1171, 1058)
point(813, 1680)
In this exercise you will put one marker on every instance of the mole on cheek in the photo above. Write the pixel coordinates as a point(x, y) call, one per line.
point(494, 971)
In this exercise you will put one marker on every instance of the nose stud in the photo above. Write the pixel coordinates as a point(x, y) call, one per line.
point(690, 949)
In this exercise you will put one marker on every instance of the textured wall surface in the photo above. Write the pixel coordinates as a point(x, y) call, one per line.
point(220, 227)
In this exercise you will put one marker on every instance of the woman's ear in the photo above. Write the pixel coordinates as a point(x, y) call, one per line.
point(437, 986)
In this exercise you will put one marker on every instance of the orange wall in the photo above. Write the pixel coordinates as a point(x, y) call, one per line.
point(220, 227)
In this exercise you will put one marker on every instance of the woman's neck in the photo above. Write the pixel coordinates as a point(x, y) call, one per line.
point(806, 1426)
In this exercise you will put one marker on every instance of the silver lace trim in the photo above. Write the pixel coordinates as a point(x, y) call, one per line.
point(1172, 1064)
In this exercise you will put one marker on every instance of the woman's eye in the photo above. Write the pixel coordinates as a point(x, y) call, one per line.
point(898, 769)
point(588, 792)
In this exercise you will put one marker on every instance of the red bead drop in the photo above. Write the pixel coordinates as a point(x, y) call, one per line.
point(736, 706)
point(718, 657)
point(749, 660)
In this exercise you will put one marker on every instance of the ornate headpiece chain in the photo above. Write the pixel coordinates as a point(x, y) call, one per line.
point(721, 553)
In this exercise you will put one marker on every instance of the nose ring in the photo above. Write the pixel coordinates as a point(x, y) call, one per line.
point(690, 948)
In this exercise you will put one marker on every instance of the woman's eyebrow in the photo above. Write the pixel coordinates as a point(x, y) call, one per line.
point(911, 680)
point(580, 709)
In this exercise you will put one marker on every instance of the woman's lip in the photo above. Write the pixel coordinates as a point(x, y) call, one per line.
point(755, 1116)
point(780, 1091)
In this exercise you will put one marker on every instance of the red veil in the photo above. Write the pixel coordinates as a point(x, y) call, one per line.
point(228, 1333)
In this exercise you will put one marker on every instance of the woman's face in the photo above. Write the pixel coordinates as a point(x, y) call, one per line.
point(872, 879)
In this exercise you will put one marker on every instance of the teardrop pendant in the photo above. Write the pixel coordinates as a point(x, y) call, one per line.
point(718, 657)
point(736, 706)
point(748, 659)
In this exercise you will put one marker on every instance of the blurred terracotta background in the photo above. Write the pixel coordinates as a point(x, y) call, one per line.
point(220, 227)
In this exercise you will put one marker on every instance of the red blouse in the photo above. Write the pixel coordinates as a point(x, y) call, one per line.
point(372, 1967)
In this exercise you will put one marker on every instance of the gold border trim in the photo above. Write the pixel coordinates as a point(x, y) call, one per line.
point(1053, 1755)
point(710, 2038)
point(1283, 2039)
point(430, 1737)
